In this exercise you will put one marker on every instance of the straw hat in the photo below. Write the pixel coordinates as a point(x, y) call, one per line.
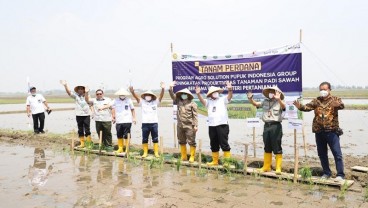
point(76, 88)
point(267, 91)
point(149, 92)
point(185, 91)
point(213, 89)
point(122, 91)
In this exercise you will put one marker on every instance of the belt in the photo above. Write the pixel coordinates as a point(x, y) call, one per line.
point(271, 123)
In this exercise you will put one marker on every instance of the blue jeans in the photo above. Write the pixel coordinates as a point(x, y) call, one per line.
point(333, 141)
point(147, 129)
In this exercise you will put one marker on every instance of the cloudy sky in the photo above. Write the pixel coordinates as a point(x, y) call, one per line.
point(97, 42)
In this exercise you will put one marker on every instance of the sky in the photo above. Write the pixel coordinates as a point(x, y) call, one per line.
point(112, 43)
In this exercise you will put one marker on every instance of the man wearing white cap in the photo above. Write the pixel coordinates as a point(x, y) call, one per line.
point(35, 106)
point(272, 107)
point(82, 112)
point(217, 120)
point(149, 105)
point(187, 117)
point(124, 114)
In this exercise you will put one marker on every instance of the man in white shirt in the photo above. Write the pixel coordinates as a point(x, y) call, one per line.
point(35, 106)
point(217, 120)
point(82, 112)
point(103, 117)
point(149, 105)
point(124, 114)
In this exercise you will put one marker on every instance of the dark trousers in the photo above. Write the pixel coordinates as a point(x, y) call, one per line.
point(105, 127)
point(333, 141)
point(272, 135)
point(38, 117)
point(123, 129)
point(83, 123)
point(147, 129)
point(219, 136)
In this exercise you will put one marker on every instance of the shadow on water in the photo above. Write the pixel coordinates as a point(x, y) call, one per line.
point(47, 178)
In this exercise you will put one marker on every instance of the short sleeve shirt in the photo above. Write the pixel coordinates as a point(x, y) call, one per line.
point(217, 111)
point(149, 111)
point(36, 103)
point(81, 106)
point(103, 115)
point(123, 110)
point(272, 111)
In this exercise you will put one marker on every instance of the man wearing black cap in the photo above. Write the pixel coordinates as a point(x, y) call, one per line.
point(35, 105)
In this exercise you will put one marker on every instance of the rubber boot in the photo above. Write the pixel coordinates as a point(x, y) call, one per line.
point(145, 149)
point(183, 151)
point(192, 153)
point(215, 158)
point(155, 149)
point(81, 139)
point(120, 145)
point(267, 160)
point(88, 138)
point(227, 154)
point(125, 144)
point(278, 163)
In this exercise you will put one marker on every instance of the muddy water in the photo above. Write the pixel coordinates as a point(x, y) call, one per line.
point(354, 123)
point(61, 179)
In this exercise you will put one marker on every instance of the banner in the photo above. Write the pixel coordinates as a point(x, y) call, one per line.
point(247, 72)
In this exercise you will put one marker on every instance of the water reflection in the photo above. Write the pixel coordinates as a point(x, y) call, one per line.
point(38, 172)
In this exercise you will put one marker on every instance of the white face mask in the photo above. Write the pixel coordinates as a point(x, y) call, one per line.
point(271, 95)
point(148, 98)
point(215, 95)
point(323, 93)
point(122, 97)
point(184, 96)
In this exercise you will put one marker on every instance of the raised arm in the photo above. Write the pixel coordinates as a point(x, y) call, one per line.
point(171, 91)
point(307, 107)
point(133, 115)
point(63, 82)
point(252, 101)
point(134, 94)
point(278, 98)
point(230, 91)
point(162, 85)
point(198, 92)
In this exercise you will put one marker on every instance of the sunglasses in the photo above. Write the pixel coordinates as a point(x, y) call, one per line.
point(98, 93)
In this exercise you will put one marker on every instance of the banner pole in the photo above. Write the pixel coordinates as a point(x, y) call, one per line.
point(174, 124)
point(304, 143)
point(254, 142)
point(296, 159)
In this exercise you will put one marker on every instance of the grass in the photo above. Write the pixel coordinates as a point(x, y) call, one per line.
point(306, 174)
point(343, 190)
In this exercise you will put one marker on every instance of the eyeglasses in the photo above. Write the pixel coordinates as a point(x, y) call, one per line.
point(98, 93)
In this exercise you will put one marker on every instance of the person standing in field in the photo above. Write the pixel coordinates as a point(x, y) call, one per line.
point(36, 104)
point(123, 113)
point(149, 105)
point(103, 117)
point(326, 128)
point(187, 118)
point(272, 106)
point(217, 120)
point(82, 112)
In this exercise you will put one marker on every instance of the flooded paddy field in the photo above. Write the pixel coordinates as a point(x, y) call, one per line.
point(53, 177)
point(65, 179)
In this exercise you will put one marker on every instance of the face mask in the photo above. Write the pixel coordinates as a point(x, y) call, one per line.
point(215, 95)
point(184, 96)
point(271, 95)
point(122, 97)
point(323, 93)
point(33, 94)
point(148, 98)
